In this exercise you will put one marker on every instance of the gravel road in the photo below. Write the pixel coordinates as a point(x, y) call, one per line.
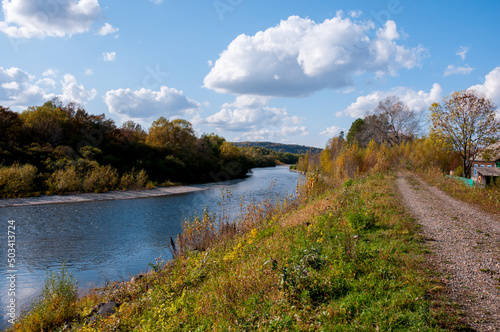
point(465, 242)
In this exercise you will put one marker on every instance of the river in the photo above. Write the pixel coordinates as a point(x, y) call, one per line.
point(114, 240)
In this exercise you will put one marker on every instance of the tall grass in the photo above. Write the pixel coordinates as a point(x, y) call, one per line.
point(56, 306)
point(486, 198)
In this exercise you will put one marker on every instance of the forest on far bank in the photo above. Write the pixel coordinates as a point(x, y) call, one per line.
point(57, 148)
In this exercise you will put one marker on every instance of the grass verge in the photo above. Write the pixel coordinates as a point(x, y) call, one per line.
point(486, 198)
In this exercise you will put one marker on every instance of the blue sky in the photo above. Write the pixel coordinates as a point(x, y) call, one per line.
point(284, 71)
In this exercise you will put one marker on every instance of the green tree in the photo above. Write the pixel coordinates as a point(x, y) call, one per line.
point(356, 128)
point(175, 136)
point(45, 124)
point(467, 121)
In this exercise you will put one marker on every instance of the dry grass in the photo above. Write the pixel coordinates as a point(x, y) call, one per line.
point(487, 199)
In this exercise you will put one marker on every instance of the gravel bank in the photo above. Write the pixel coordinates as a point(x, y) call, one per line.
point(466, 246)
point(109, 196)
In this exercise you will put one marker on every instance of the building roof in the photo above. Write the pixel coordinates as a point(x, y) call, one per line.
point(488, 171)
point(493, 156)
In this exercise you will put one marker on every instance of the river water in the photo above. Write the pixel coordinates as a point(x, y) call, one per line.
point(114, 240)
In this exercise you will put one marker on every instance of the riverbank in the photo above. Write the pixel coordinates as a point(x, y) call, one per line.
point(342, 259)
point(112, 195)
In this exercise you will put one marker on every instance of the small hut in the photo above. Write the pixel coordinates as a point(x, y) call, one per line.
point(486, 168)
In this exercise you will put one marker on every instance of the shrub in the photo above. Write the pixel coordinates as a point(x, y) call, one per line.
point(100, 179)
point(17, 180)
point(134, 180)
point(56, 305)
point(141, 179)
point(65, 180)
point(127, 181)
point(359, 221)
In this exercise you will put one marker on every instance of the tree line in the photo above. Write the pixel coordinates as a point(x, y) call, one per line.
point(58, 148)
point(461, 127)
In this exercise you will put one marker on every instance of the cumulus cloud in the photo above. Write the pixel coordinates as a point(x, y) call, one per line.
point(416, 100)
point(20, 89)
point(300, 56)
point(255, 119)
point(46, 81)
point(49, 73)
point(73, 92)
point(38, 19)
point(107, 29)
point(460, 70)
point(269, 134)
point(148, 104)
point(109, 56)
point(249, 113)
point(89, 72)
point(331, 131)
point(462, 52)
point(491, 86)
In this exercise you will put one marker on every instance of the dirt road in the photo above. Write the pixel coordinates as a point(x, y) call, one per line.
point(465, 242)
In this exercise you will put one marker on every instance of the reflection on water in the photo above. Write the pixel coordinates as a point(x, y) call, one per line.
point(113, 240)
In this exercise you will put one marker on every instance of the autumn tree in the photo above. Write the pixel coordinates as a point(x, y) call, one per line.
point(467, 121)
point(395, 121)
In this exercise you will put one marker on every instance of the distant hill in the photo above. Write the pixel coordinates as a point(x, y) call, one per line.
point(278, 147)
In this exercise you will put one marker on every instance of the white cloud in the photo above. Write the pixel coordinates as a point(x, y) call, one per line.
point(331, 131)
point(109, 56)
point(89, 72)
point(355, 13)
point(460, 70)
point(38, 19)
point(269, 134)
point(248, 113)
point(47, 81)
point(72, 92)
point(148, 104)
point(252, 116)
point(462, 52)
point(107, 29)
point(299, 56)
point(294, 131)
point(49, 73)
point(19, 89)
point(416, 100)
point(491, 86)
point(10, 86)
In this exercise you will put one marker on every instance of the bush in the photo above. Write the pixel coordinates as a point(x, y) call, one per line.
point(65, 180)
point(134, 180)
point(56, 306)
point(100, 179)
point(17, 180)
point(359, 221)
point(141, 179)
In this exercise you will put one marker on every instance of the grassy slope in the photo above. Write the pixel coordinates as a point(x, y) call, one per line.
point(348, 260)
